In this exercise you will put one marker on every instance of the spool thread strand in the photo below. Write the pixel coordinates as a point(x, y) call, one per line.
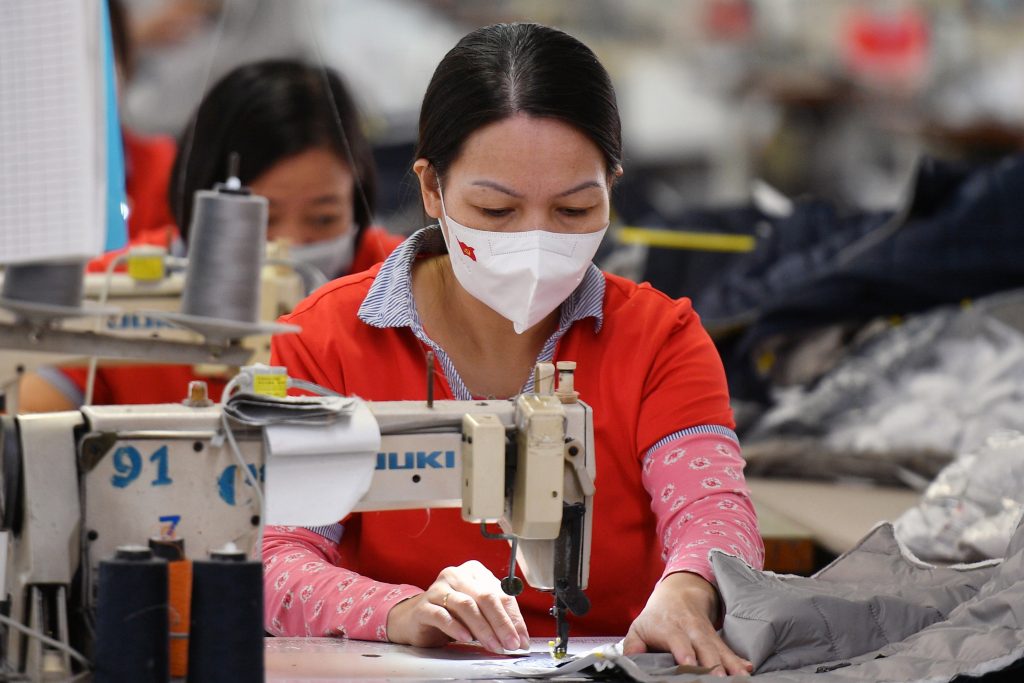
point(227, 241)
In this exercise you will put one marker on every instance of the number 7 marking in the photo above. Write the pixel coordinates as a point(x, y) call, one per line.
point(172, 524)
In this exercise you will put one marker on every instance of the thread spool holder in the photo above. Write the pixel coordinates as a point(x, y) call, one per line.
point(229, 204)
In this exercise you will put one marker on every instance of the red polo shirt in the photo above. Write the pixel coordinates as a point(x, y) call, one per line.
point(649, 372)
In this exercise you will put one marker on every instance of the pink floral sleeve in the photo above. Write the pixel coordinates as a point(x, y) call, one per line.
point(306, 593)
point(701, 502)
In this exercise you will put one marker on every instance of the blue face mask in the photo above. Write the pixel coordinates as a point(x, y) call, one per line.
point(333, 257)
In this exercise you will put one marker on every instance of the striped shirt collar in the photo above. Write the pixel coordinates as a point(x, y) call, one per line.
point(390, 303)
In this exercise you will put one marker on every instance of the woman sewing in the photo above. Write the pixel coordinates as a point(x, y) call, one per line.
point(297, 132)
point(519, 148)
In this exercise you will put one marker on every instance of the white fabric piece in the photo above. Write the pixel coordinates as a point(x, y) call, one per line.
point(317, 473)
point(642, 668)
point(939, 383)
point(973, 507)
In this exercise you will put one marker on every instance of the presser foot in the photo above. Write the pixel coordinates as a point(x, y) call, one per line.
point(560, 646)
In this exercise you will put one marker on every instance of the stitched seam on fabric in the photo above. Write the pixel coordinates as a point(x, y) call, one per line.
point(833, 646)
point(878, 622)
point(698, 430)
point(763, 621)
point(775, 634)
point(678, 438)
point(786, 660)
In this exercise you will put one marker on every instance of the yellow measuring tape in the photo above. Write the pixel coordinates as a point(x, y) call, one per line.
point(683, 239)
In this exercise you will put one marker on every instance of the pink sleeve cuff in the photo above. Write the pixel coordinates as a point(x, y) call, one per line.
point(701, 502)
point(306, 593)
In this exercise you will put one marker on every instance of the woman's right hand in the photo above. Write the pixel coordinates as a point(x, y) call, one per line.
point(465, 603)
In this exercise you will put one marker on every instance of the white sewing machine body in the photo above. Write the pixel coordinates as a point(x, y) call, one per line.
point(107, 476)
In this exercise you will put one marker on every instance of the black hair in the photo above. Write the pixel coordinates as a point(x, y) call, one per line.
point(268, 111)
point(498, 71)
point(124, 53)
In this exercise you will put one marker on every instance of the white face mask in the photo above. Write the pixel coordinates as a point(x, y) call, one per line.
point(333, 256)
point(523, 276)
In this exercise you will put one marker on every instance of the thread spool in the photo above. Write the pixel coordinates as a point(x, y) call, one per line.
point(227, 619)
point(54, 284)
point(179, 593)
point(227, 239)
point(131, 618)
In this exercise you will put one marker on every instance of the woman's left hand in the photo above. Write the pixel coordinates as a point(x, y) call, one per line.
point(678, 618)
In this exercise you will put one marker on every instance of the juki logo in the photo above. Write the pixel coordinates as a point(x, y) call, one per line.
point(416, 460)
point(134, 321)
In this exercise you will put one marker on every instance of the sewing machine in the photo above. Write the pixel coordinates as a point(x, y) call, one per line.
point(78, 485)
point(142, 294)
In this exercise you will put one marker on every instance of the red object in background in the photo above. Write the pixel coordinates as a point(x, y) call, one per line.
point(142, 384)
point(375, 246)
point(728, 19)
point(888, 49)
point(148, 162)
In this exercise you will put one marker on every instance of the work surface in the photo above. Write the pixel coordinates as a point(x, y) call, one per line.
point(835, 515)
point(298, 660)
